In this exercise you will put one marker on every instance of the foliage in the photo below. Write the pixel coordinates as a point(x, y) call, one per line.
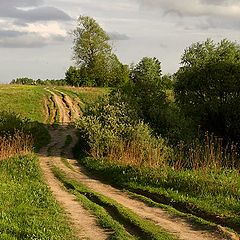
point(146, 94)
point(73, 76)
point(93, 55)
point(28, 210)
point(29, 81)
point(207, 87)
point(112, 129)
point(23, 81)
point(167, 82)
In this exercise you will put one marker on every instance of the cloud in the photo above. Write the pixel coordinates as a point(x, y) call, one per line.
point(25, 11)
point(209, 13)
point(31, 24)
point(10, 34)
point(21, 3)
point(117, 36)
point(16, 39)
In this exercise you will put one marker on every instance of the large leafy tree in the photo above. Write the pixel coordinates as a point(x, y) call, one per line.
point(208, 86)
point(93, 54)
point(145, 91)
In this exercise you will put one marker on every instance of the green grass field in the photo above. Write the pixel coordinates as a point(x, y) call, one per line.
point(28, 101)
point(27, 209)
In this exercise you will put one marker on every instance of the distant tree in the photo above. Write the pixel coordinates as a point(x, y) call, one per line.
point(73, 77)
point(93, 55)
point(23, 81)
point(39, 82)
point(208, 86)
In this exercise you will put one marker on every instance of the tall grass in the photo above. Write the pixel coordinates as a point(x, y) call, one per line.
point(15, 137)
point(17, 144)
point(19, 136)
point(135, 153)
point(210, 153)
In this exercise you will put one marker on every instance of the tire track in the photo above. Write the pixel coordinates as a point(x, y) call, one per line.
point(84, 224)
point(175, 225)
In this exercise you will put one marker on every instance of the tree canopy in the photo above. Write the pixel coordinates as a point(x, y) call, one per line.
point(208, 86)
point(93, 55)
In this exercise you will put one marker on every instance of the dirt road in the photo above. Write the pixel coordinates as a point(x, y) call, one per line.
point(84, 224)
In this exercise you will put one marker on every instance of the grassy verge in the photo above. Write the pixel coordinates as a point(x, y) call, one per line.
point(85, 94)
point(27, 209)
point(213, 196)
point(112, 215)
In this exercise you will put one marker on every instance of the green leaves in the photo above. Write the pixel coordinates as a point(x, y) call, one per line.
point(98, 66)
point(207, 86)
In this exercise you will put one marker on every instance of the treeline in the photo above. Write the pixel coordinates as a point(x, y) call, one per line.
point(30, 81)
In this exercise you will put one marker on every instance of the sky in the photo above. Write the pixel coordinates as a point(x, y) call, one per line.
point(36, 41)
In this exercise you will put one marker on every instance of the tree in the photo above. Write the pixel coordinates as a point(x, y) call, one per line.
point(23, 81)
point(208, 86)
point(145, 91)
point(93, 53)
point(72, 76)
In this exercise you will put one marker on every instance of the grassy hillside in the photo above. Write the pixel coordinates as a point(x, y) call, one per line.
point(84, 95)
point(28, 101)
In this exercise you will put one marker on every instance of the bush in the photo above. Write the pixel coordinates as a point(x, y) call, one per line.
point(111, 129)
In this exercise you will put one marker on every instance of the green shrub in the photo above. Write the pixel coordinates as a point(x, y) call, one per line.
point(111, 129)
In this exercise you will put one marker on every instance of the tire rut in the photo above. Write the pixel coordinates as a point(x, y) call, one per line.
point(175, 225)
point(84, 224)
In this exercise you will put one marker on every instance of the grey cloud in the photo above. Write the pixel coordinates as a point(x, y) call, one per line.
point(10, 9)
point(59, 38)
point(214, 2)
point(43, 14)
point(223, 14)
point(10, 33)
point(29, 40)
point(118, 36)
point(21, 3)
point(15, 39)
point(219, 2)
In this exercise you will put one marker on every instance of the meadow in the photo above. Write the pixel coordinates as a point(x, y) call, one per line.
point(200, 182)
